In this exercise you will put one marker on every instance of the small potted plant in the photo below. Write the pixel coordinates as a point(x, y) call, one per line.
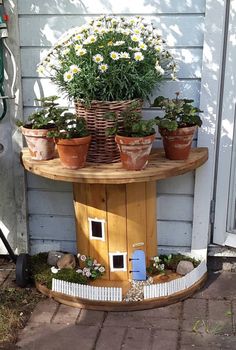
point(134, 137)
point(72, 138)
point(178, 125)
point(36, 129)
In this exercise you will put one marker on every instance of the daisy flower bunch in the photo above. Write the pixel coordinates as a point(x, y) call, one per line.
point(89, 267)
point(110, 58)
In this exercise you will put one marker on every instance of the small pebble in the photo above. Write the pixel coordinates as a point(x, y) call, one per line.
point(135, 293)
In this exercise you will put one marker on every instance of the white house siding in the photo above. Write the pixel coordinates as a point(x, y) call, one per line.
point(50, 209)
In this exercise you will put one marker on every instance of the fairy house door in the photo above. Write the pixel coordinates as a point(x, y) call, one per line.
point(139, 265)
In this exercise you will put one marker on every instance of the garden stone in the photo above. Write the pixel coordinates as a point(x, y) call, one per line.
point(53, 257)
point(67, 261)
point(184, 267)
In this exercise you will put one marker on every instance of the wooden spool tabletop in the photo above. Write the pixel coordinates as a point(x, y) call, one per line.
point(158, 168)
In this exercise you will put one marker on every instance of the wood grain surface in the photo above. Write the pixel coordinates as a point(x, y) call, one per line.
point(158, 168)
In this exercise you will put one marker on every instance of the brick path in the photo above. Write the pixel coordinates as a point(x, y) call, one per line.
point(205, 321)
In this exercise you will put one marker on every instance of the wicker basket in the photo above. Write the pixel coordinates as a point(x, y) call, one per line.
point(103, 148)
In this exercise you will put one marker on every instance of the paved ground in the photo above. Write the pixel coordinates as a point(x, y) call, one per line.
point(205, 321)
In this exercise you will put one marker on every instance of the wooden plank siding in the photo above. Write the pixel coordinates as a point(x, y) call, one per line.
point(50, 204)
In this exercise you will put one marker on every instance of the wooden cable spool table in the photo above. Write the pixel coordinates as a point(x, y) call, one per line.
point(115, 214)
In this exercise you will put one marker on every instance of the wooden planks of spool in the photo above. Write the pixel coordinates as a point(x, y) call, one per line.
point(115, 209)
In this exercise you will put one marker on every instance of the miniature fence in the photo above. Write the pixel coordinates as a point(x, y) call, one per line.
point(87, 292)
point(168, 288)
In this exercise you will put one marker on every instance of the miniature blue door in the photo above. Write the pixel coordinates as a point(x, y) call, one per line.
point(139, 265)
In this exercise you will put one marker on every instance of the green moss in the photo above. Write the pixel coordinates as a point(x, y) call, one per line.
point(172, 262)
point(169, 262)
point(41, 272)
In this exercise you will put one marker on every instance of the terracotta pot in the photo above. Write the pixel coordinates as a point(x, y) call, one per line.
point(73, 152)
point(177, 144)
point(40, 146)
point(134, 151)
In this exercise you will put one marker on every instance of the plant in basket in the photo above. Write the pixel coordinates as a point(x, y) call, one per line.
point(178, 125)
point(134, 137)
point(72, 138)
point(36, 129)
point(103, 66)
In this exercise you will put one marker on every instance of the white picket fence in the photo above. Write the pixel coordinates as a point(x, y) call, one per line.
point(115, 294)
point(168, 288)
point(87, 292)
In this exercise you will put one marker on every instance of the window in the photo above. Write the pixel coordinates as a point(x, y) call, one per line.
point(97, 229)
point(118, 261)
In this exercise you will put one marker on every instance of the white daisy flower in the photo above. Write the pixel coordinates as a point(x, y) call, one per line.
point(135, 38)
point(97, 23)
point(83, 257)
point(75, 69)
point(142, 46)
point(158, 48)
point(137, 31)
point(54, 269)
point(78, 47)
point(41, 69)
point(114, 55)
point(132, 20)
point(126, 31)
point(79, 36)
point(118, 43)
point(138, 56)
point(98, 58)
point(68, 76)
point(124, 55)
point(103, 67)
point(81, 52)
point(91, 39)
point(114, 20)
point(159, 69)
point(64, 52)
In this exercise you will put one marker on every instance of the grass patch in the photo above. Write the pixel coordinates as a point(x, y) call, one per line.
point(41, 272)
point(16, 306)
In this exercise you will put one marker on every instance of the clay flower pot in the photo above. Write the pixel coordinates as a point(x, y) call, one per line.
point(177, 144)
point(73, 152)
point(40, 146)
point(134, 151)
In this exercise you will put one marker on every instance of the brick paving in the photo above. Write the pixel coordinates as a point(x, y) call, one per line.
point(205, 321)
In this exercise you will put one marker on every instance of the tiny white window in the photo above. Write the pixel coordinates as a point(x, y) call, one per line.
point(118, 261)
point(97, 229)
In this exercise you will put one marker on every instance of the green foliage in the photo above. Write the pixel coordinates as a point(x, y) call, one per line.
point(131, 123)
point(90, 267)
point(111, 58)
point(69, 126)
point(45, 117)
point(87, 269)
point(179, 113)
point(168, 262)
point(41, 272)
